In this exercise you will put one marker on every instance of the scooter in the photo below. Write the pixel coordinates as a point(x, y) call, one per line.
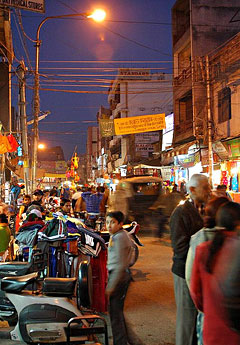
point(16, 268)
point(47, 313)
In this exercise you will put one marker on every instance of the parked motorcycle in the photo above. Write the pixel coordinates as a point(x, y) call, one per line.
point(46, 311)
point(15, 269)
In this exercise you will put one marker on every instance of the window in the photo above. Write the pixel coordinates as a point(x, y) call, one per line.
point(185, 108)
point(224, 105)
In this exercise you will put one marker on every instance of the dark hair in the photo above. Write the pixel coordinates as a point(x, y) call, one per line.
point(53, 192)
point(3, 218)
point(228, 216)
point(64, 201)
point(211, 211)
point(27, 196)
point(221, 187)
point(38, 192)
point(118, 215)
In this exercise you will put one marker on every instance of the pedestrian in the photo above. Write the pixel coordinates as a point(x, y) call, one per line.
point(212, 262)
point(37, 201)
point(5, 235)
point(22, 211)
point(221, 191)
point(24, 207)
point(65, 207)
point(185, 221)
point(230, 288)
point(65, 192)
point(207, 233)
point(15, 191)
point(119, 276)
point(76, 196)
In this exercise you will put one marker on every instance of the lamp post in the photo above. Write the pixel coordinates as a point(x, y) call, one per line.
point(98, 15)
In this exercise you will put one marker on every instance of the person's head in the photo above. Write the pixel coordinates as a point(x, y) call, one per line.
point(228, 216)
point(222, 187)
point(3, 218)
point(26, 199)
point(14, 180)
point(79, 189)
point(37, 195)
point(199, 188)
point(211, 210)
point(114, 221)
point(53, 192)
point(175, 186)
point(65, 205)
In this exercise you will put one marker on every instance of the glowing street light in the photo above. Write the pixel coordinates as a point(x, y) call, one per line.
point(41, 146)
point(98, 16)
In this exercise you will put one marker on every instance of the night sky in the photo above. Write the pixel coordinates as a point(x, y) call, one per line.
point(81, 56)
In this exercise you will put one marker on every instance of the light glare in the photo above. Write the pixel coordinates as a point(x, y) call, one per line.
point(41, 146)
point(98, 15)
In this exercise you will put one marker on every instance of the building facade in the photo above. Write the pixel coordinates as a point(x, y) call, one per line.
point(199, 31)
point(135, 92)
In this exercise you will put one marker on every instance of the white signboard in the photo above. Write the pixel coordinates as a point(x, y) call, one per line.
point(30, 5)
point(147, 138)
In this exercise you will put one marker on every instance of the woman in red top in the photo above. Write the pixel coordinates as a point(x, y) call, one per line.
point(211, 263)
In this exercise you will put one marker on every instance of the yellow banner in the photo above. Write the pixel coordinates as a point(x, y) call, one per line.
point(139, 124)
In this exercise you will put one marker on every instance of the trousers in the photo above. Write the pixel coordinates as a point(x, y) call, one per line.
point(186, 313)
point(116, 305)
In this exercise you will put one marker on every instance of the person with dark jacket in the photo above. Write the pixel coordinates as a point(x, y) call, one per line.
point(185, 221)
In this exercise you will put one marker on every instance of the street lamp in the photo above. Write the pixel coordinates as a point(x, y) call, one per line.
point(98, 16)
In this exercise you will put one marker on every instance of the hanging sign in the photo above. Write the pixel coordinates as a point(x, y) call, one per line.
point(233, 147)
point(106, 127)
point(29, 5)
point(139, 124)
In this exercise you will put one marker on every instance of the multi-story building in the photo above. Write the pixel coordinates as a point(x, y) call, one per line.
point(224, 99)
point(199, 29)
point(136, 92)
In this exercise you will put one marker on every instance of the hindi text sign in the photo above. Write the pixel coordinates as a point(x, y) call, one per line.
point(139, 124)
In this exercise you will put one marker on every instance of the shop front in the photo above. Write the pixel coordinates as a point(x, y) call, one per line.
point(185, 166)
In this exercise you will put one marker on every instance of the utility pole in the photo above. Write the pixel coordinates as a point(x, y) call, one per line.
point(23, 118)
point(209, 124)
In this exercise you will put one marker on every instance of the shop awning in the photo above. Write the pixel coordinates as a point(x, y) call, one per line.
point(182, 149)
point(19, 172)
point(55, 175)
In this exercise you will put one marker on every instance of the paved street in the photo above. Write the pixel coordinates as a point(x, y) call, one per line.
point(150, 307)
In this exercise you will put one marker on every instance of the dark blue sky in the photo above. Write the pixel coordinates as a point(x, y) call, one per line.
point(135, 30)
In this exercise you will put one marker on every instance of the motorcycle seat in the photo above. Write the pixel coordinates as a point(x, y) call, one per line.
point(63, 287)
point(14, 268)
point(17, 284)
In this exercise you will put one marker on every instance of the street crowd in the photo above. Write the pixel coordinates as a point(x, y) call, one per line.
point(206, 253)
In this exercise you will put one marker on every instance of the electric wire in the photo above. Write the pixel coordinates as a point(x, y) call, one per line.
point(24, 45)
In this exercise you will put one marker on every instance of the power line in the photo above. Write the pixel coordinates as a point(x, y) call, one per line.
point(107, 61)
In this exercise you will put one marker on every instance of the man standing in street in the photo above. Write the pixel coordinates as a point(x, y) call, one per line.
point(185, 221)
